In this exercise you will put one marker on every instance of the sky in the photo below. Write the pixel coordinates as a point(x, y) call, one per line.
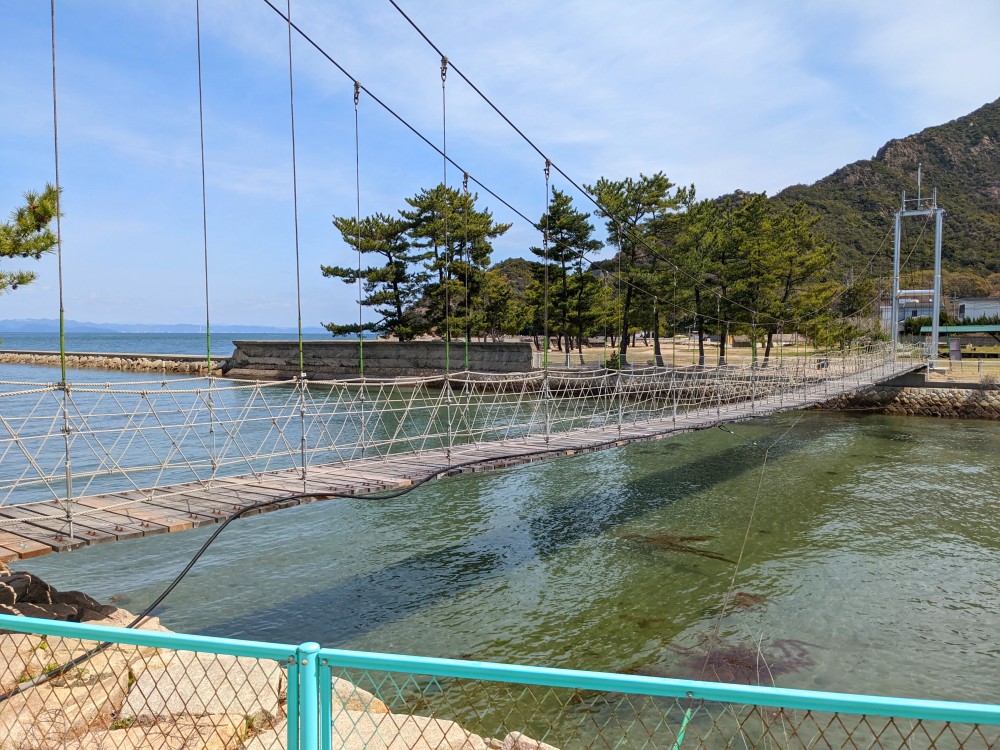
point(721, 94)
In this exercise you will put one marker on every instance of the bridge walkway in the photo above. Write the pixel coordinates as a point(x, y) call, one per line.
point(37, 528)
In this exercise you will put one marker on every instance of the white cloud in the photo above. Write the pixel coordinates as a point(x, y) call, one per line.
point(726, 95)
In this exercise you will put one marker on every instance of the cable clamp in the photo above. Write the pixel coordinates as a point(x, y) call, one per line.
point(357, 94)
point(444, 68)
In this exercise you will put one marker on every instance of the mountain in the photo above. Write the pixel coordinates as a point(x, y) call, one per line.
point(49, 325)
point(961, 158)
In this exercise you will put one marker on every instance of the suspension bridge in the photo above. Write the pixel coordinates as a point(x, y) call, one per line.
point(94, 463)
point(84, 463)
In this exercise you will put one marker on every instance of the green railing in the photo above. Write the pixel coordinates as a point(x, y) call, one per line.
point(153, 689)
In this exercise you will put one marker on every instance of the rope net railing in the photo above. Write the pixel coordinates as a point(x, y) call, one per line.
point(126, 437)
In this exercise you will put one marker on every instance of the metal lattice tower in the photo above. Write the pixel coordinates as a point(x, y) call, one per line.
point(919, 206)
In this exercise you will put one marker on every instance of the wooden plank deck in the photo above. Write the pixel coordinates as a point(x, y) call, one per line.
point(32, 529)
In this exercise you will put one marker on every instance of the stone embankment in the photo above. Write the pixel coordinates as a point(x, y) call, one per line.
point(131, 697)
point(178, 364)
point(973, 401)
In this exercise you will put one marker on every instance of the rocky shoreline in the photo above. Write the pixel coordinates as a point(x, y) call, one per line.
point(979, 402)
point(132, 697)
point(177, 364)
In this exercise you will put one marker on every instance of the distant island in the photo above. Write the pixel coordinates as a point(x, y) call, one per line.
point(49, 325)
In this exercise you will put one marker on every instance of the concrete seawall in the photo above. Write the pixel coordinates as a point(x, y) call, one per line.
point(322, 360)
point(970, 401)
point(180, 364)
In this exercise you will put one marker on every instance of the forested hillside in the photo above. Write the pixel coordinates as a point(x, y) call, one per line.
point(961, 158)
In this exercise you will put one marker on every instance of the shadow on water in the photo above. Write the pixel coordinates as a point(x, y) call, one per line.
point(364, 602)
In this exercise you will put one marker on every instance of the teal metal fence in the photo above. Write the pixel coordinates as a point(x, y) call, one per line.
point(150, 689)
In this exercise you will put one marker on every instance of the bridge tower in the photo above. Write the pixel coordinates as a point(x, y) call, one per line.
point(919, 206)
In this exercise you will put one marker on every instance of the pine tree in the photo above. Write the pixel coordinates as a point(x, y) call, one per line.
point(570, 237)
point(27, 235)
point(392, 287)
point(457, 243)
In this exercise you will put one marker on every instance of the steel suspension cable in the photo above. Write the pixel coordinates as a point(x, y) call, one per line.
point(447, 251)
point(444, 215)
point(298, 272)
point(526, 139)
point(545, 257)
point(468, 265)
point(361, 325)
point(204, 230)
point(55, 148)
point(295, 186)
point(430, 144)
point(621, 227)
point(67, 460)
point(357, 197)
point(204, 192)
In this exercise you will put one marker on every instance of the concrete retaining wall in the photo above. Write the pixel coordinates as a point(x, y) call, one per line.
point(279, 360)
point(981, 402)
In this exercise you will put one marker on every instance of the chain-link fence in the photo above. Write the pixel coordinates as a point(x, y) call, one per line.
point(67, 685)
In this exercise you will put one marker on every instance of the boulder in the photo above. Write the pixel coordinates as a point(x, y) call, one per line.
point(358, 730)
point(213, 732)
point(47, 715)
point(518, 741)
point(348, 696)
point(21, 658)
point(179, 682)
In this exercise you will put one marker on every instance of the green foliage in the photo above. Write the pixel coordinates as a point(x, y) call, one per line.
point(961, 158)
point(458, 242)
point(633, 211)
point(501, 311)
point(568, 236)
point(912, 326)
point(27, 234)
point(392, 287)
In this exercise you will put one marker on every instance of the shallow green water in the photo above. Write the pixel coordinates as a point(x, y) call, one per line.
point(870, 560)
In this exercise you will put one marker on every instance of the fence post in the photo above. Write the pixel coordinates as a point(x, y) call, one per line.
point(67, 430)
point(303, 385)
point(307, 656)
point(292, 701)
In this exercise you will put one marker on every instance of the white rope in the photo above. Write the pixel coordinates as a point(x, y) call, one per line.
point(126, 437)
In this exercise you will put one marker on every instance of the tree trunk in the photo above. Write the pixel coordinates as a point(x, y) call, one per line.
point(700, 324)
point(623, 344)
point(767, 347)
point(657, 356)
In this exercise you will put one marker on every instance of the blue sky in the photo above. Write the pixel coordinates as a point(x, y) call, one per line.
point(724, 95)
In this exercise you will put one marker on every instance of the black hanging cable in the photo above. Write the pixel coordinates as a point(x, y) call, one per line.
point(361, 325)
point(467, 252)
point(59, 253)
point(286, 501)
point(444, 216)
point(295, 188)
point(621, 226)
point(430, 144)
point(357, 197)
point(545, 257)
point(204, 193)
point(638, 238)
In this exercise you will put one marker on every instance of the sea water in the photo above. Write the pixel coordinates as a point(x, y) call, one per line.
point(851, 552)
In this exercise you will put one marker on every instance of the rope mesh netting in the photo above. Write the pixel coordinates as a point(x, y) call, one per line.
point(153, 434)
